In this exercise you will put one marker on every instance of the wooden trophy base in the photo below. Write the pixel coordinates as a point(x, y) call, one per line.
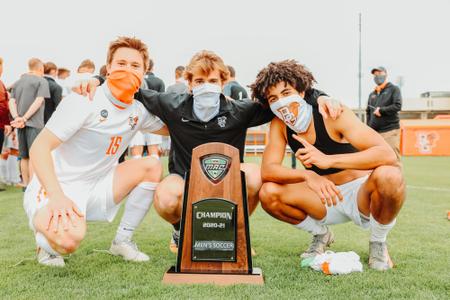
point(172, 277)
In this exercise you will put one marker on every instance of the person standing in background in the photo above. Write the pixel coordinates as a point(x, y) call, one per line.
point(180, 86)
point(27, 109)
point(153, 82)
point(232, 88)
point(51, 102)
point(63, 74)
point(5, 129)
point(383, 107)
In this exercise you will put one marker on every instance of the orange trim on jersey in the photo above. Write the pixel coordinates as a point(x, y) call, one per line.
point(119, 107)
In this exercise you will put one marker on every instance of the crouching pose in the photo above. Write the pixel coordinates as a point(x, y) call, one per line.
point(351, 172)
point(76, 162)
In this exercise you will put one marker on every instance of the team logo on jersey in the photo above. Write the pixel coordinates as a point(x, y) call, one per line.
point(222, 121)
point(132, 121)
point(426, 141)
point(287, 113)
point(215, 166)
point(103, 115)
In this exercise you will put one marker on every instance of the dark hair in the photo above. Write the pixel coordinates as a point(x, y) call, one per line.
point(179, 71)
point(103, 72)
point(232, 71)
point(150, 65)
point(288, 71)
point(48, 67)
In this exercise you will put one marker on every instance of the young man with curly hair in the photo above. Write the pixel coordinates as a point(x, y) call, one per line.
point(351, 173)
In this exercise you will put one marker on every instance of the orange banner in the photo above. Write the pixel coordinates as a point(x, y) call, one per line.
point(425, 137)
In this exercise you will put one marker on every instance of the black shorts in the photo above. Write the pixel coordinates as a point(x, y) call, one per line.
point(26, 138)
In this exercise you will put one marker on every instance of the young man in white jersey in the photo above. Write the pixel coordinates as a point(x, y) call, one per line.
point(78, 178)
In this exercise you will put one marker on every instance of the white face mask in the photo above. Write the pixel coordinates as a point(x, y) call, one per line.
point(294, 112)
point(206, 101)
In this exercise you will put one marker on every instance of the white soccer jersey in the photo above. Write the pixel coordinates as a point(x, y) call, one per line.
point(94, 134)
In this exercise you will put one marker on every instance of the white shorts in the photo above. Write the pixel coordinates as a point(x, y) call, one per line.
point(146, 139)
point(94, 199)
point(347, 210)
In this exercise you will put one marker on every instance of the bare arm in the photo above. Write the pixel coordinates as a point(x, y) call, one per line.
point(373, 149)
point(41, 158)
point(33, 108)
point(13, 108)
point(272, 169)
point(162, 131)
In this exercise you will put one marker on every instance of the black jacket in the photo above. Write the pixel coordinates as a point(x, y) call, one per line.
point(390, 103)
point(154, 83)
point(55, 97)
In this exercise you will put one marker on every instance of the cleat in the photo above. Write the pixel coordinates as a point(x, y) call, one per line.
point(46, 259)
point(128, 250)
point(174, 241)
point(379, 258)
point(319, 243)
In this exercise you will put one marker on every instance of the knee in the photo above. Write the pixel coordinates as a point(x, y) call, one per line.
point(389, 182)
point(166, 200)
point(269, 196)
point(152, 169)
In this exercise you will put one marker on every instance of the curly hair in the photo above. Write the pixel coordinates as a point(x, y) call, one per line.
point(289, 71)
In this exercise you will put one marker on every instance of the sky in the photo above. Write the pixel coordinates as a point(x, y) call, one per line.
point(409, 38)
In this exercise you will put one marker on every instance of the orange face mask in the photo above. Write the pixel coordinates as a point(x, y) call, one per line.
point(123, 84)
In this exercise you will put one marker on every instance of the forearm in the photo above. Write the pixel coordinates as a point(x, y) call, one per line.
point(364, 160)
point(33, 108)
point(279, 174)
point(13, 108)
point(41, 158)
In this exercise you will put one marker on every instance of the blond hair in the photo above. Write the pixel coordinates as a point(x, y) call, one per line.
point(206, 61)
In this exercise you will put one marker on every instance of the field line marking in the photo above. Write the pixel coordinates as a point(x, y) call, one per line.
point(429, 188)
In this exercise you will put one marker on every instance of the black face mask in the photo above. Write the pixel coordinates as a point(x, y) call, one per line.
point(379, 79)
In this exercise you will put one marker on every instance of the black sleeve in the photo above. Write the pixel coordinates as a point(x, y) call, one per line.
point(100, 78)
point(312, 95)
point(396, 103)
point(152, 102)
point(258, 114)
point(368, 113)
point(162, 87)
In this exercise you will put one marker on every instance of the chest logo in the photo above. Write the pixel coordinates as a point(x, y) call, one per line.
point(215, 166)
point(222, 121)
point(103, 115)
point(132, 121)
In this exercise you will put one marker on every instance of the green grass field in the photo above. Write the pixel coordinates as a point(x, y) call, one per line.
point(419, 245)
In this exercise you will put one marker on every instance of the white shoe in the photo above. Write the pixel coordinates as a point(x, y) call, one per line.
point(48, 259)
point(128, 250)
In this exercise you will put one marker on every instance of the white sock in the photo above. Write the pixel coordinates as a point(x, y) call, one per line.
point(42, 242)
point(138, 204)
point(379, 231)
point(312, 226)
point(136, 156)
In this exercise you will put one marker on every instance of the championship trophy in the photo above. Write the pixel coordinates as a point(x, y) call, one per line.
point(214, 245)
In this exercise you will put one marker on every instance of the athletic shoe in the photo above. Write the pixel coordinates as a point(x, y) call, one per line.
point(128, 250)
point(379, 258)
point(319, 243)
point(50, 260)
point(174, 241)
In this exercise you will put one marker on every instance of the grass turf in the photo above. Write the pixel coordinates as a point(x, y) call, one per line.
point(419, 245)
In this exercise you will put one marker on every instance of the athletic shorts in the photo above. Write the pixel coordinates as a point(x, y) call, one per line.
point(146, 139)
point(94, 199)
point(26, 136)
point(347, 210)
